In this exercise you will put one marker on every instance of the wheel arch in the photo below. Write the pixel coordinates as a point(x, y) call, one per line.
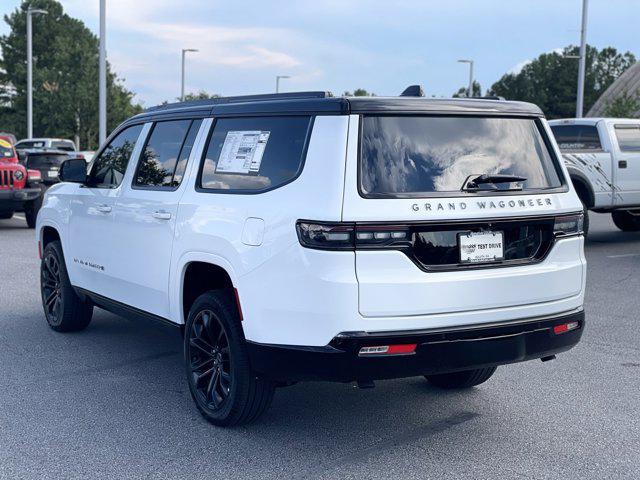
point(583, 187)
point(200, 273)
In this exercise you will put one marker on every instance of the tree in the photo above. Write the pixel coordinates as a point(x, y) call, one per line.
point(65, 77)
point(201, 95)
point(550, 80)
point(358, 92)
point(462, 91)
point(624, 106)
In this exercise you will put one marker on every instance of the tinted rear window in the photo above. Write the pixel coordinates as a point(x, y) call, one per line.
point(45, 161)
point(254, 154)
point(577, 137)
point(413, 156)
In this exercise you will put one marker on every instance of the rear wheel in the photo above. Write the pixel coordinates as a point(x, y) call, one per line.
point(585, 224)
point(465, 379)
point(626, 221)
point(64, 310)
point(225, 389)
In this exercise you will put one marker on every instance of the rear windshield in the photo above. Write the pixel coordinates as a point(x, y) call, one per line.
point(415, 156)
point(577, 137)
point(45, 161)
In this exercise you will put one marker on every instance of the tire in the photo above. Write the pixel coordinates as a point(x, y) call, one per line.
point(626, 221)
point(585, 222)
point(465, 379)
point(222, 384)
point(6, 215)
point(64, 310)
point(31, 210)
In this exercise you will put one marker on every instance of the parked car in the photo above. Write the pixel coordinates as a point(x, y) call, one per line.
point(305, 237)
point(9, 137)
point(54, 143)
point(46, 161)
point(20, 188)
point(602, 156)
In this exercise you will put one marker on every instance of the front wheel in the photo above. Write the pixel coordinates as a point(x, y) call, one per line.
point(64, 310)
point(626, 221)
point(464, 379)
point(225, 389)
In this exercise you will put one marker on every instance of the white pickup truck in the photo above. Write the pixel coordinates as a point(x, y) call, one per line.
point(602, 156)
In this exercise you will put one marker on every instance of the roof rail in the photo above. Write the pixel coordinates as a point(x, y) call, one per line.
point(267, 97)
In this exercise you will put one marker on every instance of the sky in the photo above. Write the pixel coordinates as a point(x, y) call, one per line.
point(382, 46)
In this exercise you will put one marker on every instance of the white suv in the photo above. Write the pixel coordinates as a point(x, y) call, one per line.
point(306, 237)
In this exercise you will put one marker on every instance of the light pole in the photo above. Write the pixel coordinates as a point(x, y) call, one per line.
point(583, 60)
point(102, 76)
point(470, 62)
point(278, 77)
point(184, 51)
point(30, 13)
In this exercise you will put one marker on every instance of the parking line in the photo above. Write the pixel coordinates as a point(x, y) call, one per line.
point(17, 215)
point(624, 255)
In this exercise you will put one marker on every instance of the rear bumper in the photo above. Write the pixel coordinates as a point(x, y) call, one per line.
point(16, 197)
point(438, 351)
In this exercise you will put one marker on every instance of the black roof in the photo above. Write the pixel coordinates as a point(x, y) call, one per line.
point(324, 103)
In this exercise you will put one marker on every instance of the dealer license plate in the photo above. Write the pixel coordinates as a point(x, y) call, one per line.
point(52, 174)
point(481, 247)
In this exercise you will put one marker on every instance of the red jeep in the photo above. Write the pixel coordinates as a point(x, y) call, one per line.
point(20, 189)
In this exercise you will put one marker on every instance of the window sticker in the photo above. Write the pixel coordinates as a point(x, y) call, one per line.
point(242, 152)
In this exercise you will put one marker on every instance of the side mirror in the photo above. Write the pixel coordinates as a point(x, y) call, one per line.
point(73, 170)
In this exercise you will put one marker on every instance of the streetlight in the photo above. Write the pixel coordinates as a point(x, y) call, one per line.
point(30, 13)
point(184, 51)
point(470, 62)
point(278, 77)
point(102, 76)
point(583, 60)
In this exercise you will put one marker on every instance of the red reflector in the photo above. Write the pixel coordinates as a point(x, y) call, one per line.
point(381, 350)
point(565, 327)
point(408, 348)
point(235, 290)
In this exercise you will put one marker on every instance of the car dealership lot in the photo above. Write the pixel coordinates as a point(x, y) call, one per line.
point(113, 401)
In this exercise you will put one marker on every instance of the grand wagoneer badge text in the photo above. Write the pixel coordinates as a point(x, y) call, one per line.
point(482, 204)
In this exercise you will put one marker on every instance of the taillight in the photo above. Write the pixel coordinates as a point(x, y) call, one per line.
point(347, 236)
point(34, 175)
point(326, 236)
point(568, 225)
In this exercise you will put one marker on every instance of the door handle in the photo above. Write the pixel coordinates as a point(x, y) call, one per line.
point(622, 164)
point(103, 208)
point(161, 215)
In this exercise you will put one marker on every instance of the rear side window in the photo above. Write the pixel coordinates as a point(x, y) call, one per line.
point(254, 154)
point(412, 156)
point(577, 137)
point(109, 167)
point(65, 146)
point(165, 150)
point(628, 137)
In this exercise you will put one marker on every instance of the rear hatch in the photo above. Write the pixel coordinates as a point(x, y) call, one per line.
point(48, 163)
point(433, 235)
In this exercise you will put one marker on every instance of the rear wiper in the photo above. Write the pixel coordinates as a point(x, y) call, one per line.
point(473, 182)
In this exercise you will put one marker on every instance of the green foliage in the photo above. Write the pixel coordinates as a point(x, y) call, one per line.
point(550, 81)
point(358, 92)
point(462, 91)
point(624, 106)
point(201, 95)
point(65, 78)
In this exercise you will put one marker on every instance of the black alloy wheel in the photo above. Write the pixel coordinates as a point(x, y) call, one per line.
point(210, 360)
point(64, 310)
point(224, 387)
point(51, 295)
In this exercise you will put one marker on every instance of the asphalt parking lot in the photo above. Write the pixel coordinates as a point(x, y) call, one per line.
point(112, 402)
